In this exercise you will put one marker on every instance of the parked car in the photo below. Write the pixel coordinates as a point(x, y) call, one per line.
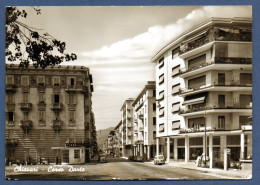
point(130, 157)
point(159, 159)
point(139, 158)
point(103, 158)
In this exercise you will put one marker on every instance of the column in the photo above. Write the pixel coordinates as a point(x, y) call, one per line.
point(211, 151)
point(242, 146)
point(187, 149)
point(175, 149)
point(168, 150)
point(157, 146)
point(223, 145)
point(148, 152)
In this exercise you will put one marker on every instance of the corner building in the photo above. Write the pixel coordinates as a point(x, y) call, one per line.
point(204, 91)
point(49, 114)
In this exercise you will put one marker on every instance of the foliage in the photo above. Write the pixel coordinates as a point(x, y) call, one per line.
point(26, 45)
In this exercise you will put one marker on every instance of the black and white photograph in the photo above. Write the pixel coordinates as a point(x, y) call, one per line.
point(128, 93)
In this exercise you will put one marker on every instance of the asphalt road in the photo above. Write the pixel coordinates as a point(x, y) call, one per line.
point(115, 169)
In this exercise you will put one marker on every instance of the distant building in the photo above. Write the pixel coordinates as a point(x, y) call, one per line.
point(49, 114)
point(144, 111)
point(127, 128)
point(204, 87)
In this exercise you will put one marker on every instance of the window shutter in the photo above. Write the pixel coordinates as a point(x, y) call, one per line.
point(75, 99)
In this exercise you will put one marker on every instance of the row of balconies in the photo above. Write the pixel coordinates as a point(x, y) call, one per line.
point(215, 34)
point(216, 105)
point(78, 142)
point(218, 60)
point(41, 88)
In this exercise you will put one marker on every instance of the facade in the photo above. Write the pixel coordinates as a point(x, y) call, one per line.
point(118, 139)
point(127, 127)
point(204, 88)
point(49, 114)
point(144, 126)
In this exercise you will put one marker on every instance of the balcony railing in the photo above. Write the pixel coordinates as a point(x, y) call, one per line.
point(56, 124)
point(75, 88)
point(10, 88)
point(10, 106)
point(227, 83)
point(217, 105)
point(57, 106)
point(25, 106)
point(26, 124)
point(78, 142)
point(41, 105)
point(11, 142)
point(200, 129)
point(215, 34)
point(218, 60)
point(41, 88)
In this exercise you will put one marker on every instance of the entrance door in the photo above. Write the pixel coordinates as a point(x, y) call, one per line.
point(87, 159)
point(65, 158)
point(221, 78)
point(221, 101)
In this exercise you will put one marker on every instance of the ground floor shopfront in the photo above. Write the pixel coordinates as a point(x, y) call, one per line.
point(188, 146)
point(146, 151)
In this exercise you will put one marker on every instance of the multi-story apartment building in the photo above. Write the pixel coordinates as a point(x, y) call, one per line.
point(118, 138)
point(49, 114)
point(204, 88)
point(144, 111)
point(127, 127)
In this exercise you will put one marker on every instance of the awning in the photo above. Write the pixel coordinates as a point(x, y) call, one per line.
point(161, 128)
point(194, 101)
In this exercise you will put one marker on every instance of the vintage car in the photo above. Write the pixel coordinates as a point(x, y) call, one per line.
point(139, 158)
point(159, 159)
point(103, 158)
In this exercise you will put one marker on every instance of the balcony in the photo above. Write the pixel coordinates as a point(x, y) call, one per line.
point(11, 142)
point(10, 107)
point(41, 106)
point(215, 106)
point(214, 34)
point(218, 63)
point(10, 88)
point(25, 106)
point(72, 106)
point(26, 124)
point(56, 124)
point(25, 89)
point(56, 89)
point(78, 142)
point(57, 106)
point(215, 85)
point(75, 88)
point(199, 129)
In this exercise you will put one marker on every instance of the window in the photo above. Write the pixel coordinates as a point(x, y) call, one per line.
point(26, 133)
point(175, 107)
point(154, 93)
point(196, 83)
point(41, 115)
point(40, 81)
point(11, 152)
point(71, 98)
point(25, 115)
point(154, 134)
point(161, 62)
point(154, 106)
point(175, 70)
point(196, 123)
point(72, 81)
point(72, 115)
point(161, 112)
point(246, 78)
point(41, 98)
point(56, 98)
point(25, 81)
point(197, 62)
point(42, 136)
point(245, 100)
point(176, 125)
point(56, 115)
point(245, 120)
point(154, 120)
point(76, 154)
point(161, 79)
point(221, 78)
point(175, 89)
point(57, 134)
point(10, 116)
point(175, 52)
point(221, 122)
point(161, 95)
point(56, 81)
point(161, 127)
point(221, 101)
point(10, 98)
point(25, 97)
point(9, 80)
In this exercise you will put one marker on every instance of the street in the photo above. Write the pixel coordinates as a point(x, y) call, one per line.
point(115, 169)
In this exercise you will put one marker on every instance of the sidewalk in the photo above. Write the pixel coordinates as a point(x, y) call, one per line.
point(235, 173)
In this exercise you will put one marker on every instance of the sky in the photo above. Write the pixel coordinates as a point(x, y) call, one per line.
point(117, 44)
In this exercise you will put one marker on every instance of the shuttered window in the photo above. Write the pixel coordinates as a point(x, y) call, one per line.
point(161, 112)
point(161, 79)
point(175, 52)
point(175, 89)
point(196, 62)
point(176, 125)
point(175, 70)
point(56, 81)
point(40, 80)
point(9, 80)
point(41, 115)
point(161, 62)
point(161, 95)
point(175, 107)
point(25, 81)
point(161, 127)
